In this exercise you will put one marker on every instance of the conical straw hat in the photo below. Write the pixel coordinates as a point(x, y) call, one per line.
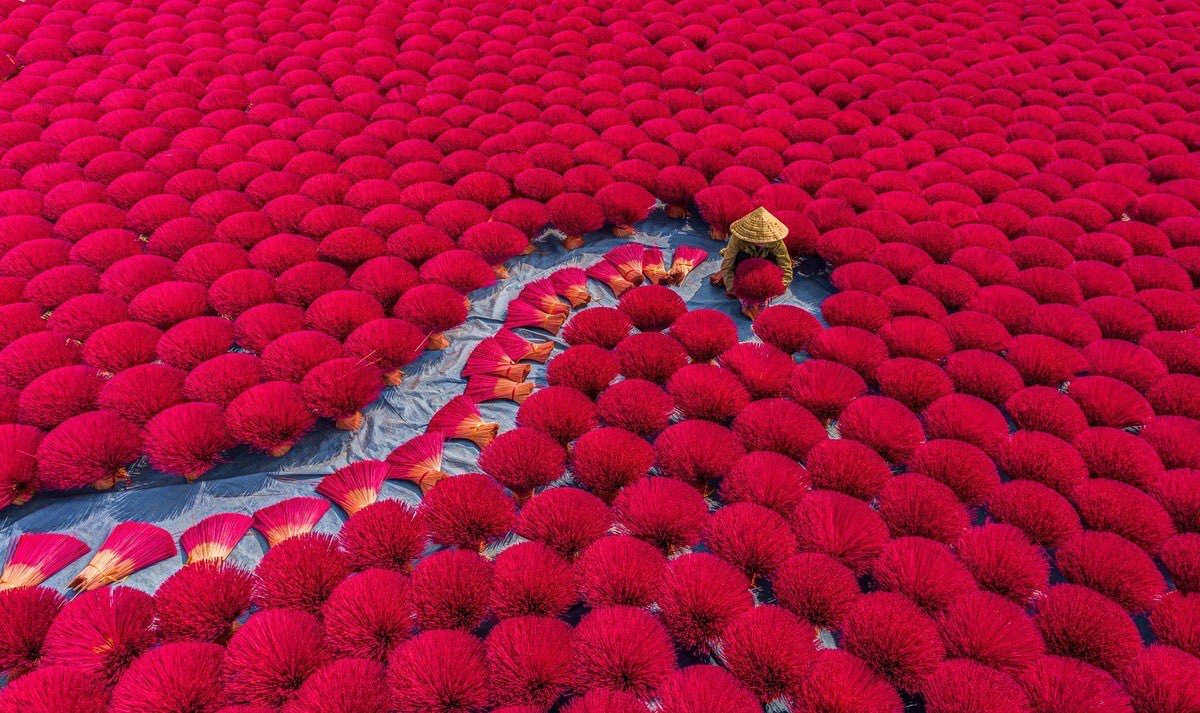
point(759, 227)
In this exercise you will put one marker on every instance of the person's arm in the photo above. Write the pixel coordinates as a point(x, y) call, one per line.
point(779, 254)
point(729, 261)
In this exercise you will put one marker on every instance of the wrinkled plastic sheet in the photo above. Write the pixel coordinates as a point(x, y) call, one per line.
point(248, 481)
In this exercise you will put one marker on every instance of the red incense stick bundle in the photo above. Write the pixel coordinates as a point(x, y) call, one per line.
point(460, 418)
point(130, 546)
point(214, 537)
point(37, 556)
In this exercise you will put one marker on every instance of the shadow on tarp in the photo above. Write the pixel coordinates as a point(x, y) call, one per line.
point(248, 480)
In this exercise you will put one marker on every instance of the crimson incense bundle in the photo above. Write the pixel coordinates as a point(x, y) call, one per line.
point(586, 367)
point(496, 243)
point(490, 388)
point(652, 308)
point(561, 412)
point(37, 556)
point(19, 456)
point(571, 284)
point(636, 405)
point(468, 510)
point(523, 314)
point(355, 486)
point(462, 270)
point(202, 602)
point(368, 614)
point(460, 418)
point(436, 670)
point(530, 579)
point(624, 204)
point(575, 214)
point(299, 573)
point(419, 460)
point(92, 448)
point(603, 326)
point(101, 632)
point(386, 534)
point(653, 267)
point(214, 537)
point(620, 570)
point(289, 518)
point(757, 282)
point(701, 595)
point(530, 660)
point(270, 417)
point(223, 378)
point(129, 547)
point(519, 348)
point(523, 459)
point(720, 206)
point(187, 439)
point(543, 295)
point(340, 388)
point(608, 273)
point(434, 309)
point(676, 186)
point(489, 358)
point(58, 395)
point(623, 648)
point(290, 356)
point(390, 344)
point(564, 519)
point(269, 657)
point(766, 478)
point(29, 611)
point(452, 589)
point(894, 638)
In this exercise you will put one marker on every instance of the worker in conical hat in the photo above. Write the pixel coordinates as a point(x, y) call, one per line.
point(757, 234)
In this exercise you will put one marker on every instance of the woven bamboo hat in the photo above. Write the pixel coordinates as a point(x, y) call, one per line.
point(759, 227)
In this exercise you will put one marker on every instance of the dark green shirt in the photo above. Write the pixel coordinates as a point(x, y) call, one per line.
point(775, 252)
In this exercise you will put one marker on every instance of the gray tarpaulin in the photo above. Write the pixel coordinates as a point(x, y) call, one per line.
point(249, 481)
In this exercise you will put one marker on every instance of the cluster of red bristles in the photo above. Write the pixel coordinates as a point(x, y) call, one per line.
point(220, 222)
point(708, 511)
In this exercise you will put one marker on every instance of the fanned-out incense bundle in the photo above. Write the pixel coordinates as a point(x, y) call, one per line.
point(433, 309)
point(624, 204)
point(460, 418)
point(720, 206)
point(628, 261)
point(389, 343)
point(214, 537)
point(607, 273)
point(521, 349)
point(653, 268)
point(685, 260)
point(523, 314)
point(130, 546)
point(756, 283)
point(37, 556)
point(270, 416)
point(340, 389)
point(543, 295)
point(355, 486)
point(676, 186)
point(575, 214)
point(492, 388)
point(489, 358)
point(289, 518)
point(571, 283)
point(419, 460)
